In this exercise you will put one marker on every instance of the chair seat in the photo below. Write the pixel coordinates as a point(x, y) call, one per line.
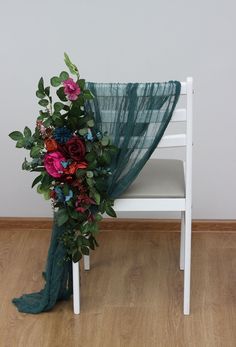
point(159, 178)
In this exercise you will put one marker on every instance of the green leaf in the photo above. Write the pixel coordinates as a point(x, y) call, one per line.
point(92, 165)
point(16, 135)
point(20, 143)
point(27, 132)
point(61, 94)
point(106, 157)
point(46, 182)
point(62, 217)
point(39, 190)
point(83, 131)
point(90, 156)
point(47, 122)
point(43, 102)
point(55, 81)
point(105, 141)
point(80, 173)
point(35, 151)
point(109, 210)
point(47, 91)
point(88, 95)
point(26, 165)
point(64, 75)
point(97, 197)
point(56, 115)
point(73, 69)
point(58, 106)
point(41, 85)
point(98, 218)
point(40, 95)
point(46, 195)
point(84, 250)
point(90, 182)
point(89, 174)
point(90, 123)
point(76, 256)
point(36, 180)
point(81, 83)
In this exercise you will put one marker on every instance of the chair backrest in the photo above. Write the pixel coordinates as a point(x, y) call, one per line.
point(184, 114)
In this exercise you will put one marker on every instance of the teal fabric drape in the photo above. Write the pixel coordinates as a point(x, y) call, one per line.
point(58, 280)
point(135, 116)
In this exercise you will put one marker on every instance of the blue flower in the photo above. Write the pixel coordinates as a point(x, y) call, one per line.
point(89, 135)
point(69, 196)
point(99, 135)
point(62, 135)
point(61, 197)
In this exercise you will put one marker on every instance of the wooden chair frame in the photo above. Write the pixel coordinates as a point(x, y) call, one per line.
point(183, 205)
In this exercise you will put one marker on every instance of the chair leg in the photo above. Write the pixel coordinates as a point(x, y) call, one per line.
point(187, 261)
point(181, 265)
point(76, 287)
point(86, 262)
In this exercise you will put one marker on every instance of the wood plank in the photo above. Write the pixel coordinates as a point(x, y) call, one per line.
point(125, 224)
point(132, 297)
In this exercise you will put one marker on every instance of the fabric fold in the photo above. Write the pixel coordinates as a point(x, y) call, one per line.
point(135, 117)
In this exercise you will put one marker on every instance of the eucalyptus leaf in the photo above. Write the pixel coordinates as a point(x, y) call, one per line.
point(43, 102)
point(58, 106)
point(64, 75)
point(105, 141)
point(40, 95)
point(55, 81)
point(83, 131)
point(90, 123)
point(89, 174)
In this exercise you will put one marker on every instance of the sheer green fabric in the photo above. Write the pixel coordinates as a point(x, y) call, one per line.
point(135, 116)
point(58, 280)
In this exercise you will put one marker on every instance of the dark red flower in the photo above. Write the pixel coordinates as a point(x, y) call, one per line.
point(75, 149)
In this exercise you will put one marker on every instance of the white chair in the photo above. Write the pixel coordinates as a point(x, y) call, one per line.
point(167, 187)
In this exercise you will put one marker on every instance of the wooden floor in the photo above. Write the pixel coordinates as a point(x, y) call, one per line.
point(132, 297)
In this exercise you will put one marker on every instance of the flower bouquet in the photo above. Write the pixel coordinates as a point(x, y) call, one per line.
point(72, 157)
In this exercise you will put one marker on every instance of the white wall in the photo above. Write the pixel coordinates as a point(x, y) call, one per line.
point(125, 40)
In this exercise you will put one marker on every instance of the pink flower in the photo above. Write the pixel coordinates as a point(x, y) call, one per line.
point(71, 89)
point(52, 164)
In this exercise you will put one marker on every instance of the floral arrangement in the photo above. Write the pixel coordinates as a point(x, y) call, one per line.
point(73, 160)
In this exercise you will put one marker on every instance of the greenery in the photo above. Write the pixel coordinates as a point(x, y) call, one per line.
point(72, 158)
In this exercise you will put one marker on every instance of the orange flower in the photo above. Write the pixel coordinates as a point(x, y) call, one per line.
point(73, 167)
point(50, 145)
point(82, 165)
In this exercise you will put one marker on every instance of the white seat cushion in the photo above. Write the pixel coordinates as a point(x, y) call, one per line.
point(160, 178)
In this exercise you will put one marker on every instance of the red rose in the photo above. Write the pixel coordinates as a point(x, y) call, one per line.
point(75, 149)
